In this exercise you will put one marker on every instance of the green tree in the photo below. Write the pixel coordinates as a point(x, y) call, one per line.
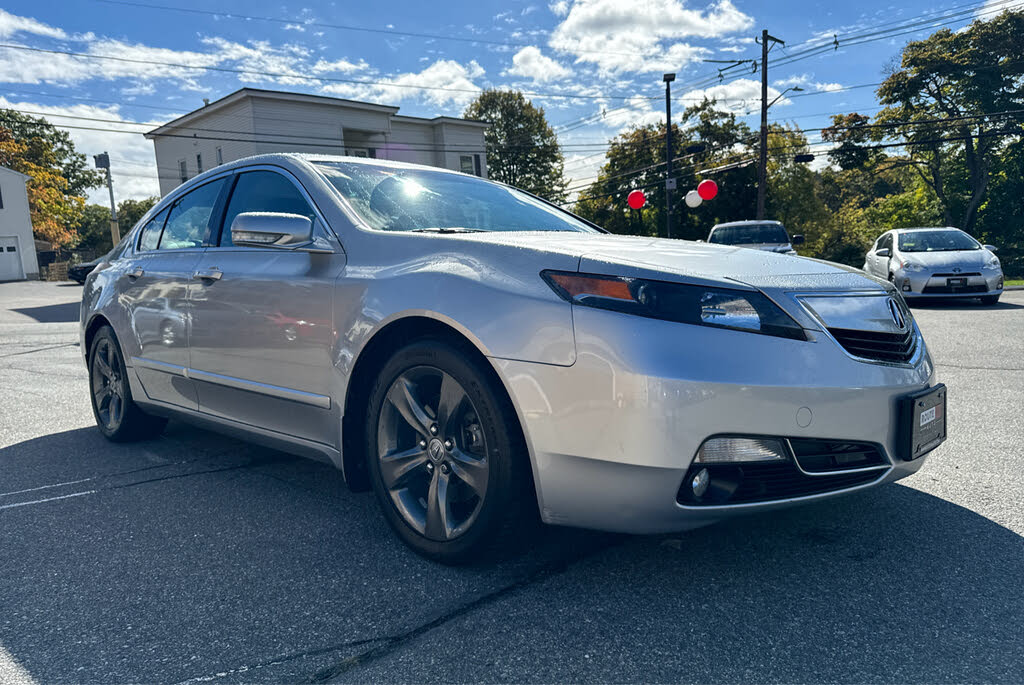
point(522, 149)
point(945, 98)
point(710, 144)
point(130, 211)
point(93, 228)
point(794, 190)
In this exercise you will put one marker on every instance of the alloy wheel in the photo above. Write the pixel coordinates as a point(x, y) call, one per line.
point(432, 453)
point(108, 381)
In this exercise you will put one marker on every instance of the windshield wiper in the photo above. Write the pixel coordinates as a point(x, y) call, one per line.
point(448, 229)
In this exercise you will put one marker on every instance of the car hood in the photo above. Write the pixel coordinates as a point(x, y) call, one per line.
point(690, 261)
point(963, 258)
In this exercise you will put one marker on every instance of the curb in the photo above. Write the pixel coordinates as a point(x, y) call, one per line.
point(1013, 287)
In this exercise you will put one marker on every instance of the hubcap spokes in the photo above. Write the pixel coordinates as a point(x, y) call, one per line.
point(107, 385)
point(432, 453)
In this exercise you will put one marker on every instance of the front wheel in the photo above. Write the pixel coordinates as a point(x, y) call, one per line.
point(117, 415)
point(445, 454)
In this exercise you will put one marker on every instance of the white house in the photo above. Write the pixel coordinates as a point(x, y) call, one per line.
point(17, 249)
point(251, 121)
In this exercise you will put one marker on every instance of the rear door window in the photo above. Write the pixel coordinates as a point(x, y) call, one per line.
point(149, 236)
point(263, 191)
point(188, 224)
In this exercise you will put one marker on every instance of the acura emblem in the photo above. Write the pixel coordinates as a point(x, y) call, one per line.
point(436, 450)
point(897, 315)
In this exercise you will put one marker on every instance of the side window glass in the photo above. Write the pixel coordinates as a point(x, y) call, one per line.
point(263, 191)
point(149, 236)
point(189, 220)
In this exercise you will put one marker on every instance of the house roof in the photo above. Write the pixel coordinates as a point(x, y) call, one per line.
point(243, 93)
point(16, 173)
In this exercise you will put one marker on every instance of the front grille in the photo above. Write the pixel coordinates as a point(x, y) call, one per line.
point(971, 273)
point(953, 289)
point(882, 347)
point(765, 482)
point(822, 456)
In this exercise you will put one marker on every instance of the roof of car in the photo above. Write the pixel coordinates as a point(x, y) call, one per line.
point(748, 222)
point(927, 228)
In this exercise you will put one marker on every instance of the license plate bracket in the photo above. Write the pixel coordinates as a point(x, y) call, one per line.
point(922, 419)
point(956, 282)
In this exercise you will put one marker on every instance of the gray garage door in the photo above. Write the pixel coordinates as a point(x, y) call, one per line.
point(10, 259)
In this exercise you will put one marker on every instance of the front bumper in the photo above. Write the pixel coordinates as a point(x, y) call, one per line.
point(935, 283)
point(613, 435)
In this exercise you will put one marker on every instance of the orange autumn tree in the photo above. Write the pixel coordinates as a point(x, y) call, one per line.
point(39, 151)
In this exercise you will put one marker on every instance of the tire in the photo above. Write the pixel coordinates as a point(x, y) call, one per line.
point(467, 458)
point(990, 300)
point(117, 416)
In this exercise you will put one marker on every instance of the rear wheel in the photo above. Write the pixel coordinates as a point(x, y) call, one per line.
point(117, 415)
point(990, 299)
point(445, 454)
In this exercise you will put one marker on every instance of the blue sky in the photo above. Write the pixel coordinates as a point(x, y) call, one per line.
point(580, 58)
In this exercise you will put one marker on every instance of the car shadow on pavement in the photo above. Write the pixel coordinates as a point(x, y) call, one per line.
point(53, 313)
point(194, 554)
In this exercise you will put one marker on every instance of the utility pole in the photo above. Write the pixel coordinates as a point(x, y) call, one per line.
point(670, 182)
point(762, 167)
point(103, 162)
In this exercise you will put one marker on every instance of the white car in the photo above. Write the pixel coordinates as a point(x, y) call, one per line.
point(936, 262)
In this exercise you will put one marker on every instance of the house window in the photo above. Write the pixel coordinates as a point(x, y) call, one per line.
point(476, 166)
point(182, 170)
point(199, 164)
point(466, 164)
point(220, 156)
point(1, 200)
point(372, 152)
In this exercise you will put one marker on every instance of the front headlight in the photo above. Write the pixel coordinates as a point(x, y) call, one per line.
point(992, 263)
point(912, 267)
point(742, 310)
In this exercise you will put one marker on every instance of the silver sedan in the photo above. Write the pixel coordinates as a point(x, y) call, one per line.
point(483, 359)
point(936, 262)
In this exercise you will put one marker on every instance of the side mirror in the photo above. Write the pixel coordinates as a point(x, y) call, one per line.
point(990, 248)
point(796, 240)
point(271, 229)
point(883, 252)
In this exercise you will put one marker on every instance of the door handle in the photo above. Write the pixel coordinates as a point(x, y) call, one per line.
point(136, 273)
point(211, 275)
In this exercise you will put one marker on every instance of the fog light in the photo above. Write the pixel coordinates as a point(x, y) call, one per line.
point(700, 483)
point(999, 286)
point(732, 450)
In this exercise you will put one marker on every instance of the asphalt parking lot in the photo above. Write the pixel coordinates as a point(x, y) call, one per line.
point(197, 558)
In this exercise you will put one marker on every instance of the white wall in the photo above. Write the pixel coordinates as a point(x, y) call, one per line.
point(15, 220)
point(201, 137)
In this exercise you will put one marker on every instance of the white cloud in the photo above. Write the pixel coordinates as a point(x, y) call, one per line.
point(11, 24)
point(455, 81)
point(742, 96)
point(620, 36)
point(559, 8)
point(804, 81)
point(532, 64)
point(295, 27)
point(339, 66)
point(261, 56)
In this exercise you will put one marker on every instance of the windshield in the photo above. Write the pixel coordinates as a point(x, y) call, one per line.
point(395, 199)
point(749, 233)
point(937, 241)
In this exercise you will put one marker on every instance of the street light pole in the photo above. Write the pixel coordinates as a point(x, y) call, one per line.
point(762, 166)
point(669, 181)
point(103, 162)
